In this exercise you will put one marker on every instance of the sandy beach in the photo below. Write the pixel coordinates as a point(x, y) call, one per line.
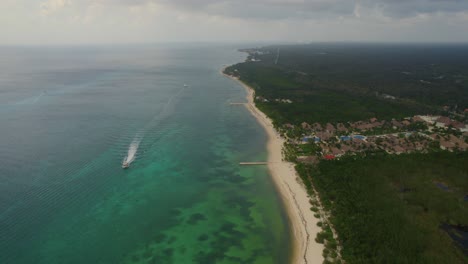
point(303, 223)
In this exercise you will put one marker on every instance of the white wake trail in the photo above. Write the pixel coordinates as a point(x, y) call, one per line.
point(132, 150)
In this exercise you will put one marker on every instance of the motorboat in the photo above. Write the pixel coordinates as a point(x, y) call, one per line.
point(125, 165)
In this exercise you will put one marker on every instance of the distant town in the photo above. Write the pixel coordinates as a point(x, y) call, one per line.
point(314, 142)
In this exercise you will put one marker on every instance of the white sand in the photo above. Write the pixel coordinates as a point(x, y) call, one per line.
point(303, 223)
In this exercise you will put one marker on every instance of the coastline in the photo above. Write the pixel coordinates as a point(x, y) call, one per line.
point(291, 189)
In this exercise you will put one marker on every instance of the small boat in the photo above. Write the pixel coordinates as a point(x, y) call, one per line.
point(185, 85)
point(125, 165)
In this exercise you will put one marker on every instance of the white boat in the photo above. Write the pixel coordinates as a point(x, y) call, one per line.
point(125, 165)
point(185, 85)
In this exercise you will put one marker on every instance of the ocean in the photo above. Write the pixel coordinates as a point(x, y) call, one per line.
point(69, 118)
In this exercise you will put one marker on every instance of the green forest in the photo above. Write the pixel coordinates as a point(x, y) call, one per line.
point(432, 74)
point(315, 104)
point(396, 209)
point(346, 82)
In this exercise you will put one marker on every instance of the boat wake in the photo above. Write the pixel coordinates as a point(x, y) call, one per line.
point(133, 148)
point(132, 151)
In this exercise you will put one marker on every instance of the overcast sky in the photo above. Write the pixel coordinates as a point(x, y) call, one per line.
point(148, 21)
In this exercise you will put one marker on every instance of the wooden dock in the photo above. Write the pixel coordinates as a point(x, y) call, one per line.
point(253, 163)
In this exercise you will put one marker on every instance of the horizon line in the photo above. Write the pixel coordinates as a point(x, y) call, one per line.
point(122, 44)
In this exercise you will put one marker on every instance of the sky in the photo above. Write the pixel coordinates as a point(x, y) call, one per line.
point(44, 22)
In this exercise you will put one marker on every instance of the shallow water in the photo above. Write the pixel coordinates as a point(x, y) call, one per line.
point(70, 116)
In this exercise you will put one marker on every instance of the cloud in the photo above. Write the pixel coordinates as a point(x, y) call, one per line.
point(143, 21)
point(307, 9)
point(51, 6)
point(411, 8)
point(283, 9)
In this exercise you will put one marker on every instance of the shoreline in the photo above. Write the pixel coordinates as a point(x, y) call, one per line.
point(290, 188)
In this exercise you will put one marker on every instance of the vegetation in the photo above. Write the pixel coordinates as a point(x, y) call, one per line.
point(308, 149)
point(316, 104)
point(390, 209)
point(431, 74)
point(345, 82)
point(408, 208)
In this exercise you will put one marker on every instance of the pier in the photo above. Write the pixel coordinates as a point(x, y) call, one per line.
point(254, 163)
point(237, 103)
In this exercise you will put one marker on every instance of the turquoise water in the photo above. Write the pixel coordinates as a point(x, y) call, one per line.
point(70, 116)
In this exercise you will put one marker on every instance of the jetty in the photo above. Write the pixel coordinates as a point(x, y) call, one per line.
point(237, 103)
point(254, 163)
